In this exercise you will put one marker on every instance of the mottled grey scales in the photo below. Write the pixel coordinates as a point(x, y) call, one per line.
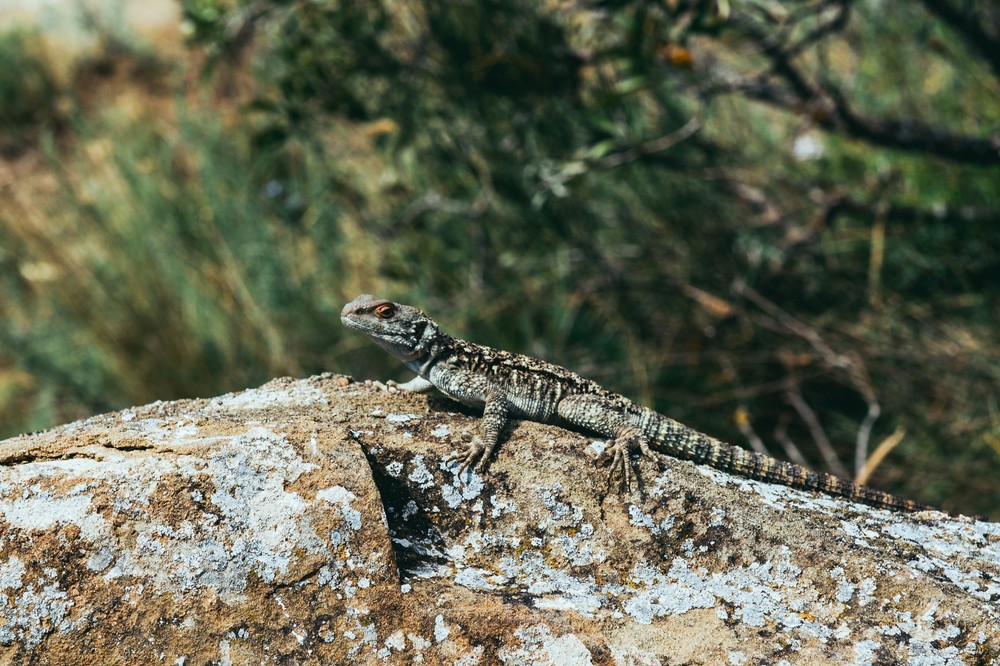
point(507, 385)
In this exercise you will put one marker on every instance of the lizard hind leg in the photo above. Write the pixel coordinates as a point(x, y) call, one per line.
point(606, 417)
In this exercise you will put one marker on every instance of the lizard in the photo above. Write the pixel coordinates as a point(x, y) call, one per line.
point(507, 385)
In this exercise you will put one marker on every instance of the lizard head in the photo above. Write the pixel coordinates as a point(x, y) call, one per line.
point(402, 330)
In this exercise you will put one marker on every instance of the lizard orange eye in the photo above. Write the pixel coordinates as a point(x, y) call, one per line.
point(385, 311)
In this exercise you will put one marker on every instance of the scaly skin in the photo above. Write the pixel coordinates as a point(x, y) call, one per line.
point(507, 385)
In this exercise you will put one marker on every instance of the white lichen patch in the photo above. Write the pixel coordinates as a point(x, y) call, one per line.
point(758, 593)
point(864, 652)
point(396, 642)
point(718, 517)
point(467, 488)
point(659, 596)
point(847, 588)
point(976, 583)
point(866, 591)
point(943, 548)
point(638, 518)
point(500, 506)
point(11, 573)
point(569, 536)
point(342, 498)
point(420, 474)
point(579, 546)
point(348, 575)
point(538, 645)
point(926, 641)
point(477, 579)
point(552, 586)
point(862, 536)
point(41, 510)
point(35, 609)
point(263, 523)
point(949, 537)
point(568, 539)
point(361, 636)
point(401, 418)
point(177, 432)
point(558, 509)
point(441, 630)
point(296, 395)
point(773, 495)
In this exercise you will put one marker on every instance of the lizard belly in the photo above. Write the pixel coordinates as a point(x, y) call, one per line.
point(465, 399)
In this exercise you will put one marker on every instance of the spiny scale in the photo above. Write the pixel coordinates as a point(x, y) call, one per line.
point(509, 385)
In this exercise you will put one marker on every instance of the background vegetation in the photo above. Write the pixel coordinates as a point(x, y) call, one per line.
point(777, 222)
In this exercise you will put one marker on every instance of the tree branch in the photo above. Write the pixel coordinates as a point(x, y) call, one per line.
point(902, 213)
point(787, 87)
point(795, 399)
point(970, 26)
point(911, 135)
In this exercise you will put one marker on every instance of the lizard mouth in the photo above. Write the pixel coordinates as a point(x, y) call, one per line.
point(400, 350)
point(354, 324)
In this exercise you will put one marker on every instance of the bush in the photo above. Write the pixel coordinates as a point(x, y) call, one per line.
point(29, 93)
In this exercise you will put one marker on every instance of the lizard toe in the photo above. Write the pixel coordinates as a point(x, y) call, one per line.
point(655, 456)
point(473, 457)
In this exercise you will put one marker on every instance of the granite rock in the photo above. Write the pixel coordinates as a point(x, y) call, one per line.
point(313, 522)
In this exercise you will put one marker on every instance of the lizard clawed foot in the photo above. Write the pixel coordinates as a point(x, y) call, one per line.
point(475, 455)
point(415, 385)
point(619, 453)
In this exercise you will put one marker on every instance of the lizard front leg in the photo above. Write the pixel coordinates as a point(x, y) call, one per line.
point(478, 451)
point(416, 385)
point(606, 417)
point(495, 412)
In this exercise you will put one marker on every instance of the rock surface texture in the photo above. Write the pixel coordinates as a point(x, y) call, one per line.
point(312, 522)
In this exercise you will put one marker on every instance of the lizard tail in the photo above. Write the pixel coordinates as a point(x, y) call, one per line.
point(683, 442)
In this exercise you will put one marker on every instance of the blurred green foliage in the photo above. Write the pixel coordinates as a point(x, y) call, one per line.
point(574, 181)
point(28, 90)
